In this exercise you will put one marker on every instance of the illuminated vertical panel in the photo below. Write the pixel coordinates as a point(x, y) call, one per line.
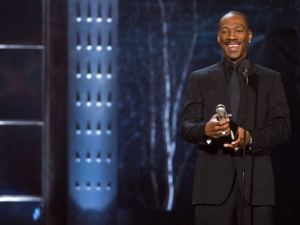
point(92, 113)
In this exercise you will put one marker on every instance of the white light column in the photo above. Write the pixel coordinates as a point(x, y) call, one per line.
point(92, 111)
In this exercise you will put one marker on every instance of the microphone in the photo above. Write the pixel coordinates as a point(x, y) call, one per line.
point(244, 68)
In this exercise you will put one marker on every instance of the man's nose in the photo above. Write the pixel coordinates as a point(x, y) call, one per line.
point(232, 35)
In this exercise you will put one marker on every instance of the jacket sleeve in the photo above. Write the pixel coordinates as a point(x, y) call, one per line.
point(192, 124)
point(277, 129)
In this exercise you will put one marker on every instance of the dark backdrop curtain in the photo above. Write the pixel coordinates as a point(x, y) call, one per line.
point(275, 44)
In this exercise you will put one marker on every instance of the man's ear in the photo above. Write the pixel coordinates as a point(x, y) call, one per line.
point(249, 35)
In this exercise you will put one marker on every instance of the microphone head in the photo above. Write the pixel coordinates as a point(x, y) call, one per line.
point(244, 67)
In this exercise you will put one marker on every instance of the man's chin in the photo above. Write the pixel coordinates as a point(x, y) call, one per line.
point(233, 57)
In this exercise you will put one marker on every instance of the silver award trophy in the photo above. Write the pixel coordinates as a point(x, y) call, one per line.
point(221, 115)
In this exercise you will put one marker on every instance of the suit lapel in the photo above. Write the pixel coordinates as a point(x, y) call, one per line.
point(251, 94)
point(220, 89)
point(251, 89)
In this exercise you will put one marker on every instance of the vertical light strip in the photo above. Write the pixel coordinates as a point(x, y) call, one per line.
point(92, 38)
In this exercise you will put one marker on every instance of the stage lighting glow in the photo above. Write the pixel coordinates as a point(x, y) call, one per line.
point(36, 214)
point(89, 76)
point(92, 177)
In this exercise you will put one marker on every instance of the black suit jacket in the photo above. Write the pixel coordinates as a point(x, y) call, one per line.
point(268, 122)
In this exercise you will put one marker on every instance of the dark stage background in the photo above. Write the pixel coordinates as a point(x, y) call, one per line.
point(152, 85)
point(159, 43)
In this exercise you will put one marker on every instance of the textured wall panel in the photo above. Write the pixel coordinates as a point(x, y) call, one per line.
point(92, 111)
point(22, 112)
point(21, 22)
point(21, 87)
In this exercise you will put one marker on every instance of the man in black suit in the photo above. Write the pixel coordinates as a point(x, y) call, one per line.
point(218, 181)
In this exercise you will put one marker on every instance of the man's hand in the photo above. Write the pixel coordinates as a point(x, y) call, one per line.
point(216, 129)
point(239, 142)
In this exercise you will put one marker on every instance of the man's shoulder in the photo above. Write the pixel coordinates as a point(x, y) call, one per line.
point(206, 70)
point(260, 68)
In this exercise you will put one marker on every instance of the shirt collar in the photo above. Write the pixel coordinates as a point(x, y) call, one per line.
point(229, 65)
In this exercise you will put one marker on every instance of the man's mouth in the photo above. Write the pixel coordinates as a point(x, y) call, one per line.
point(233, 47)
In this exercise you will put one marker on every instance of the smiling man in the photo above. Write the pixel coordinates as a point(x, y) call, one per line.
point(218, 173)
point(234, 35)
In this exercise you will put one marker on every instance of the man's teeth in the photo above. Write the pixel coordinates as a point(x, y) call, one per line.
point(232, 46)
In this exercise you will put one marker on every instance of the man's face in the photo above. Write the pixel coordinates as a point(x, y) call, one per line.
point(234, 36)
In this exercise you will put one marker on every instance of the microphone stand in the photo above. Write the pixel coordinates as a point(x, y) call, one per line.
point(245, 73)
